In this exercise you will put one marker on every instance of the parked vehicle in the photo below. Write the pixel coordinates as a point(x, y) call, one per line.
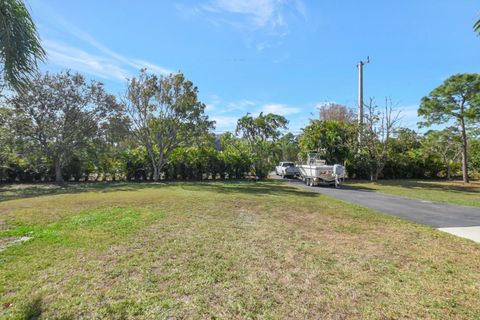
point(316, 171)
point(286, 169)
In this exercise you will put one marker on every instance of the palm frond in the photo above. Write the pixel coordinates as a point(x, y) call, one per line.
point(476, 27)
point(20, 47)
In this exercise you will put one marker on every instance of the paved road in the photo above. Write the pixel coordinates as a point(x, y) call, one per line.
point(435, 214)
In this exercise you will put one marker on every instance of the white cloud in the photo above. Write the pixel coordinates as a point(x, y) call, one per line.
point(139, 64)
point(260, 22)
point(103, 66)
point(280, 109)
point(69, 57)
point(409, 116)
point(209, 107)
point(187, 11)
point(301, 8)
point(224, 123)
point(226, 114)
point(263, 45)
point(261, 12)
point(408, 111)
point(257, 13)
point(212, 103)
point(240, 105)
point(105, 63)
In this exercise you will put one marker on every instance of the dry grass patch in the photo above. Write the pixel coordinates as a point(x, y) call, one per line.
point(227, 250)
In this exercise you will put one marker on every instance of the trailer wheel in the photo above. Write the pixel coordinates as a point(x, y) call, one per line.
point(337, 183)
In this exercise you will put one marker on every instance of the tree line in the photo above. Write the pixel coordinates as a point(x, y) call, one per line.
point(57, 127)
point(62, 127)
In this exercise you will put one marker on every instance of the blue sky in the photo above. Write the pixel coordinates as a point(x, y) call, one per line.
point(281, 56)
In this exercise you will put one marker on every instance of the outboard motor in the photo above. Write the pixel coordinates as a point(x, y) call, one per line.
point(338, 171)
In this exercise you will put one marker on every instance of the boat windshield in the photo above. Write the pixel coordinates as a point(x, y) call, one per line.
point(313, 158)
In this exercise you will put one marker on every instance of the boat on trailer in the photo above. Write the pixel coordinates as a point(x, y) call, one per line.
point(316, 171)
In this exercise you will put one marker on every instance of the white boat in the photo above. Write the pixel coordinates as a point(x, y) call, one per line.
point(316, 171)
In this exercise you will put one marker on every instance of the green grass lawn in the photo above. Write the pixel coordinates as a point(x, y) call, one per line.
point(263, 250)
point(454, 192)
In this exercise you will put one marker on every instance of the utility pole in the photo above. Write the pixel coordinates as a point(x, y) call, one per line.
point(360, 89)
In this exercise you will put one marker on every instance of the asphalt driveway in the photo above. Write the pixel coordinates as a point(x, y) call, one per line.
point(460, 220)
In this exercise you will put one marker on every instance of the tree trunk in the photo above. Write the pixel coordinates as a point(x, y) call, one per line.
point(464, 152)
point(58, 170)
point(156, 174)
point(449, 172)
point(373, 170)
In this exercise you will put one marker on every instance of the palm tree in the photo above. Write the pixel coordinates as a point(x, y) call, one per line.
point(476, 26)
point(20, 47)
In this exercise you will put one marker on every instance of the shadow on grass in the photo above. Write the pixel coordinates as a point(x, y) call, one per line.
point(248, 187)
point(329, 186)
point(33, 310)
point(19, 191)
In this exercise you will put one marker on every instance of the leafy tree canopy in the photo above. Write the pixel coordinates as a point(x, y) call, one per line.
point(61, 113)
point(458, 97)
point(165, 112)
point(334, 138)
